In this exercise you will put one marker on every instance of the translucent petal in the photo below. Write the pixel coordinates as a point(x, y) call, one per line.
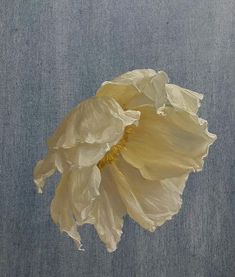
point(74, 195)
point(81, 155)
point(108, 211)
point(44, 169)
point(168, 146)
point(83, 197)
point(137, 87)
point(145, 86)
point(184, 99)
point(150, 203)
point(84, 137)
point(95, 120)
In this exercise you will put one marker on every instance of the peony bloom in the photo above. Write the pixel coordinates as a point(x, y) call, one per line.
point(128, 150)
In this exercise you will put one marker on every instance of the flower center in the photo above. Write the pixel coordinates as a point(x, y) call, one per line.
point(116, 149)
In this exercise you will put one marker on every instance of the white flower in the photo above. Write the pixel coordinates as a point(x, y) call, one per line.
point(128, 150)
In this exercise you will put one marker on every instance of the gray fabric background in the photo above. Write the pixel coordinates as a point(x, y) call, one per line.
point(53, 54)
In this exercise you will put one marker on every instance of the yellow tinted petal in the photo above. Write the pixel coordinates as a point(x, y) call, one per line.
point(74, 195)
point(108, 211)
point(82, 197)
point(95, 120)
point(137, 87)
point(168, 146)
point(85, 135)
point(184, 99)
point(150, 203)
point(44, 169)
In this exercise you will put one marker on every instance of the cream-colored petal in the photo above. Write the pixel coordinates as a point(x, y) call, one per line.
point(74, 195)
point(95, 120)
point(108, 211)
point(182, 98)
point(62, 207)
point(154, 89)
point(137, 87)
point(148, 87)
point(44, 169)
point(84, 137)
point(63, 160)
point(83, 197)
point(132, 204)
point(121, 92)
point(168, 146)
point(81, 155)
point(135, 76)
point(150, 203)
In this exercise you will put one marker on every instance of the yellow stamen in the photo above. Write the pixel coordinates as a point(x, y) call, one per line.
point(116, 149)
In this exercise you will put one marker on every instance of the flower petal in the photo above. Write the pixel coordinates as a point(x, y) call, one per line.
point(84, 137)
point(44, 169)
point(137, 87)
point(81, 155)
point(150, 203)
point(74, 195)
point(108, 211)
point(82, 197)
point(95, 120)
point(84, 155)
point(168, 146)
point(184, 99)
point(132, 204)
point(146, 86)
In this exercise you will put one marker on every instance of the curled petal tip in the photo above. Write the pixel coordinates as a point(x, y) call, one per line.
point(39, 190)
point(163, 73)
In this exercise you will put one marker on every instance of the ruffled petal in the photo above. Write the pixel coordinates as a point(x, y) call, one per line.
point(182, 98)
point(44, 169)
point(74, 195)
point(95, 120)
point(82, 196)
point(82, 155)
point(148, 87)
point(150, 203)
point(84, 137)
point(137, 87)
point(108, 211)
point(134, 208)
point(168, 146)
point(63, 160)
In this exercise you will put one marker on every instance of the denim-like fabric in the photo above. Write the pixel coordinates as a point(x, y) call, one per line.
point(53, 54)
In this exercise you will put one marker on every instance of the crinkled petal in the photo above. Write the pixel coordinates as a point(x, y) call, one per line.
point(154, 89)
point(82, 155)
point(148, 87)
point(150, 203)
point(95, 120)
point(84, 137)
point(83, 197)
point(134, 208)
point(137, 87)
point(74, 195)
point(168, 146)
point(184, 99)
point(44, 169)
point(108, 211)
